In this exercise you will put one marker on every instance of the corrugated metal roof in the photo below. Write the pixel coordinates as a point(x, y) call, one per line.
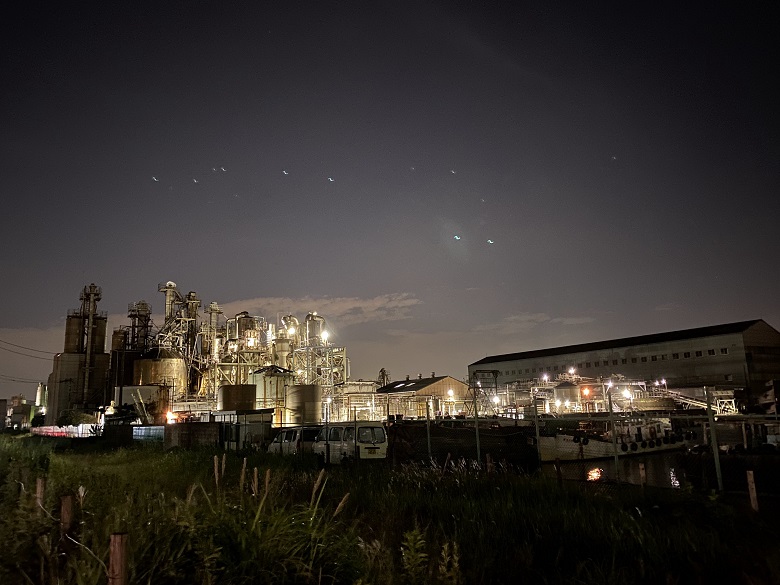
point(698, 332)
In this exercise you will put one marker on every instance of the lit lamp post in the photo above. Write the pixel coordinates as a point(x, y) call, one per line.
point(628, 396)
point(585, 394)
point(328, 401)
point(451, 400)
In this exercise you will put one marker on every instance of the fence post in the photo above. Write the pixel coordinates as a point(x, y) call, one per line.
point(752, 490)
point(40, 488)
point(642, 475)
point(66, 514)
point(117, 563)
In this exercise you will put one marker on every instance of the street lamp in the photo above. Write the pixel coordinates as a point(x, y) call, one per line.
point(328, 401)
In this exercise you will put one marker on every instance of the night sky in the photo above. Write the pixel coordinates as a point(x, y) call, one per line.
point(440, 180)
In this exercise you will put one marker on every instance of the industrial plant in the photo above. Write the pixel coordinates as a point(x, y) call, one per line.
point(198, 362)
point(253, 374)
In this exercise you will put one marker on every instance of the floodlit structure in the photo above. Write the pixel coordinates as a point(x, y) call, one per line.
point(79, 373)
point(733, 356)
point(203, 363)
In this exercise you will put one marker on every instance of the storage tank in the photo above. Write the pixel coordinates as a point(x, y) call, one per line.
point(119, 339)
point(314, 328)
point(161, 366)
point(99, 323)
point(304, 404)
point(237, 397)
point(74, 333)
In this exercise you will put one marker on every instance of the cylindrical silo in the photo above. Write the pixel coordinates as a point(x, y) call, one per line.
point(119, 339)
point(303, 404)
point(99, 323)
point(237, 397)
point(161, 366)
point(74, 333)
point(314, 328)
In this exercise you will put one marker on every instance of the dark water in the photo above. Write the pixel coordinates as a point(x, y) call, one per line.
point(677, 470)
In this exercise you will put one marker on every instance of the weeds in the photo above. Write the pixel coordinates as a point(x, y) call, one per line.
point(210, 518)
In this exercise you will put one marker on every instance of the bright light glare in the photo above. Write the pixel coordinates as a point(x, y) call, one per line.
point(571, 371)
point(595, 474)
point(450, 393)
point(495, 399)
point(291, 331)
point(627, 393)
point(325, 336)
point(170, 417)
point(585, 391)
point(557, 403)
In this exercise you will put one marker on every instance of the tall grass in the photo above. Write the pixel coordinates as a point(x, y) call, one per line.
point(207, 518)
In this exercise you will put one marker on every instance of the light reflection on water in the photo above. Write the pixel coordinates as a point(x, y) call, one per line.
point(661, 470)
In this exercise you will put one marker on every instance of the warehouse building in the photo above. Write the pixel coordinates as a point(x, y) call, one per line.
point(733, 355)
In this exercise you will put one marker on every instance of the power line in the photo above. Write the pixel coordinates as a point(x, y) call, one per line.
point(28, 348)
point(5, 378)
point(37, 357)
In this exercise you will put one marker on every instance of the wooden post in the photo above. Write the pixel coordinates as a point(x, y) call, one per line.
point(40, 488)
point(558, 471)
point(117, 562)
point(752, 490)
point(66, 514)
point(642, 475)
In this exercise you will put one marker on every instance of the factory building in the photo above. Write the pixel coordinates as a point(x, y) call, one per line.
point(79, 373)
point(743, 355)
point(433, 397)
